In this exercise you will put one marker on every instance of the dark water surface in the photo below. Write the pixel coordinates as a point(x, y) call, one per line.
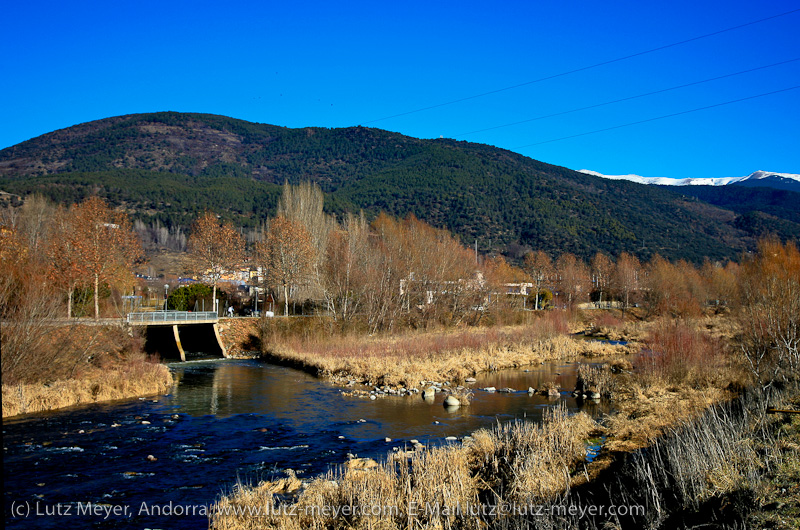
point(88, 467)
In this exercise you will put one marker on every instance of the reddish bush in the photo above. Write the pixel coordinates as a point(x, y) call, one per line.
point(676, 353)
point(607, 320)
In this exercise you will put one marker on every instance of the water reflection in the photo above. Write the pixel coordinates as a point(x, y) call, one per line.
point(231, 419)
point(226, 388)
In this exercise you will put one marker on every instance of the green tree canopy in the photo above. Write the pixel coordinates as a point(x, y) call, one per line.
point(189, 297)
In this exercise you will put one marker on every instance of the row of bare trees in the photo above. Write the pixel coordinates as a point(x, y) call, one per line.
point(48, 253)
point(659, 286)
point(380, 270)
point(391, 267)
point(87, 245)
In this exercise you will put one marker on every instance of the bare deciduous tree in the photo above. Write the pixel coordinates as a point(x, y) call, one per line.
point(722, 282)
point(539, 267)
point(626, 277)
point(65, 267)
point(216, 247)
point(602, 269)
point(106, 243)
point(573, 278)
point(770, 314)
point(287, 255)
point(28, 309)
point(673, 288)
point(344, 268)
point(303, 204)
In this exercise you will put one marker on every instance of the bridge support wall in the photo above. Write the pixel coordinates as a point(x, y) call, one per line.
point(219, 341)
point(178, 342)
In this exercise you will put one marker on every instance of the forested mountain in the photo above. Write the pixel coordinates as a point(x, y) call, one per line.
point(169, 166)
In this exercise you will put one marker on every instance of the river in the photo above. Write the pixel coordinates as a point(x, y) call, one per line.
point(117, 465)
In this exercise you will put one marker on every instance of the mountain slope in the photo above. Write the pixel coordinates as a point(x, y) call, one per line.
point(172, 165)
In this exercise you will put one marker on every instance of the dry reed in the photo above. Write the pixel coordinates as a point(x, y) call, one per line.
point(445, 487)
point(405, 360)
point(131, 378)
point(709, 471)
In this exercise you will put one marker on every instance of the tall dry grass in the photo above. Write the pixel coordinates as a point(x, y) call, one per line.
point(710, 471)
point(136, 376)
point(524, 462)
point(596, 378)
point(407, 359)
point(446, 487)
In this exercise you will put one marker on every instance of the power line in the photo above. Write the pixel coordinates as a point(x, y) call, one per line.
point(659, 117)
point(627, 98)
point(584, 68)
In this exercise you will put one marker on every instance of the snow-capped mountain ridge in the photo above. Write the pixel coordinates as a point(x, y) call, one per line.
point(786, 179)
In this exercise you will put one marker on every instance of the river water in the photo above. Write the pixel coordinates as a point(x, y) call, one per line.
point(226, 420)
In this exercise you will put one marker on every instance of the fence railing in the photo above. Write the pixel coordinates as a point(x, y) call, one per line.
point(170, 316)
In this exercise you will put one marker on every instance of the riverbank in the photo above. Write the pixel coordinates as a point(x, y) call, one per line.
point(128, 379)
point(511, 466)
point(514, 464)
point(779, 502)
point(75, 364)
point(409, 359)
point(732, 466)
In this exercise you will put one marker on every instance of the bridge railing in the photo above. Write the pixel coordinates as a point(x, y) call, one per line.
point(171, 316)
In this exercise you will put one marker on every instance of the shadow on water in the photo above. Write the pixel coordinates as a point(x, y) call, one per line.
point(229, 419)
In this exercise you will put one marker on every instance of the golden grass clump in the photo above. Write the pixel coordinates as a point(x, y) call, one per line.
point(524, 462)
point(405, 360)
point(595, 378)
point(444, 487)
point(132, 378)
point(646, 410)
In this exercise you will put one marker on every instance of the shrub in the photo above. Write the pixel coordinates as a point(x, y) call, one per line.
point(675, 353)
point(191, 297)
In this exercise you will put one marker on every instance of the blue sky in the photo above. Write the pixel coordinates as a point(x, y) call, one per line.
point(330, 64)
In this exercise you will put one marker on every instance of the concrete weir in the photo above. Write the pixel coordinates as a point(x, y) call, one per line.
point(171, 334)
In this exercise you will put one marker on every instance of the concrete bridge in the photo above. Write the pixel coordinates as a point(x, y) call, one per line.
point(163, 328)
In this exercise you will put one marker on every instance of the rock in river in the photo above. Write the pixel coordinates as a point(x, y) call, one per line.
point(451, 401)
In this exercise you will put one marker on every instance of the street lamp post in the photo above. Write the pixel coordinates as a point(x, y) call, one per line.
point(166, 289)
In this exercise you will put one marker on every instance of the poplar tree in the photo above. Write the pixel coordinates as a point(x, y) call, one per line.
point(287, 254)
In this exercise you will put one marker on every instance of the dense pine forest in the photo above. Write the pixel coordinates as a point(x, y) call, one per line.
point(169, 166)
